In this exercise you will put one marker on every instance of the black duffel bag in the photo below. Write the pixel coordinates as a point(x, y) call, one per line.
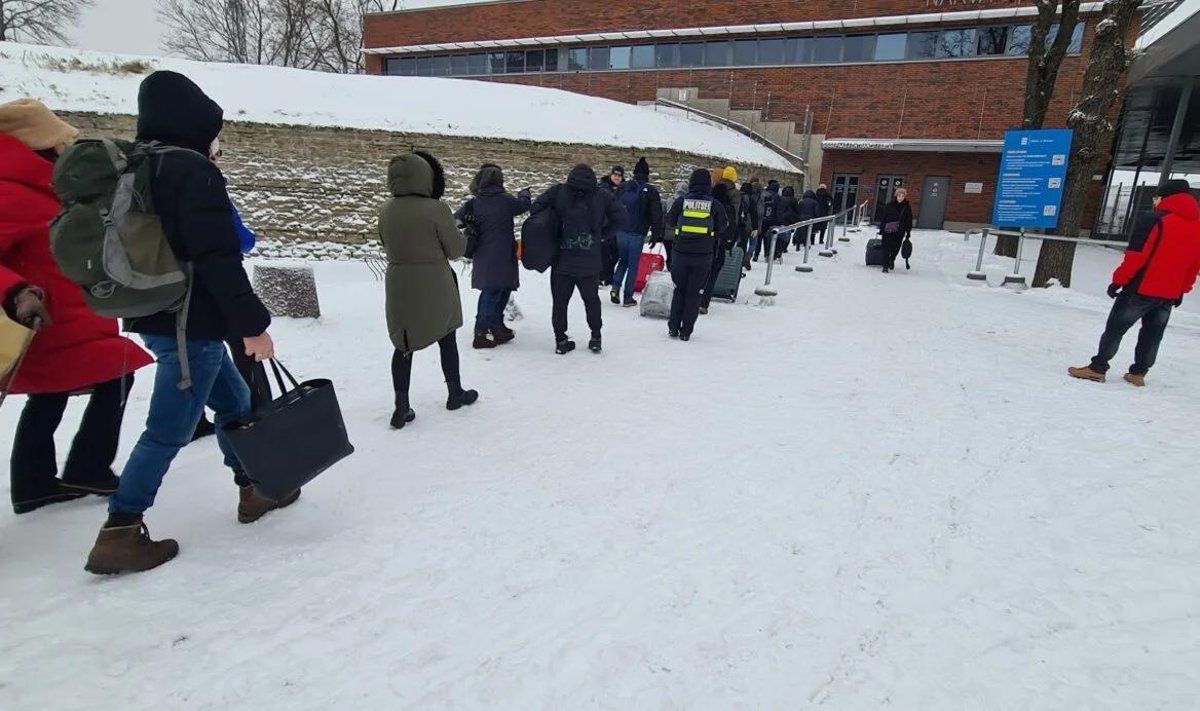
point(289, 441)
point(539, 240)
point(906, 252)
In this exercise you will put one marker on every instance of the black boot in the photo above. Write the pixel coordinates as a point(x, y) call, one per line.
point(459, 397)
point(564, 346)
point(403, 413)
point(56, 495)
point(594, 344)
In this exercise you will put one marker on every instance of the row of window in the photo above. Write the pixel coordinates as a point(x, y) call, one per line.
point(963, 42)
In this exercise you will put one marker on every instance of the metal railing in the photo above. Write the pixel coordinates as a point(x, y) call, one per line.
point(799, 161)
point(851, 215)
point(1016, 278)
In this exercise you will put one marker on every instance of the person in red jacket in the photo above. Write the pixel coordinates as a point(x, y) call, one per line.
point(74, 350)
point(1160, 266)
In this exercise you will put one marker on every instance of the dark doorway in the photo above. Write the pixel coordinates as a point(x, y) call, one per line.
point(845, 191)
point(934, 194)
point(885, 188)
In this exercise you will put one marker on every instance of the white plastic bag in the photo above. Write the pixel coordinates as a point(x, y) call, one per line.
point(656, 297)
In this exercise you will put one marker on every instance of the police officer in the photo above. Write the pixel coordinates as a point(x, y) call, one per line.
point(697, 220)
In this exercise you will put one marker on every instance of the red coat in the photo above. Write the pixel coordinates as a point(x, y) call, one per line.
point(80, 349)
point(1165, 249)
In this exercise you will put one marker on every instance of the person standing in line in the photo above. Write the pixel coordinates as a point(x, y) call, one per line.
point(824, 209)
point(643, 209)
point(698, 219)
point(423, 307)
point(589, 217)
point(726, 197)
point(191, 199)
point(789, 214)
point(668, 230)
point(73, 349)
point(494, 269)
point(748, 224)
point(807, 209)
point(895, 226)
point(770, 219)
point(610, 184)
point(1159, 269)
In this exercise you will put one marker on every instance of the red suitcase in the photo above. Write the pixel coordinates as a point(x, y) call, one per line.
point(649, 262)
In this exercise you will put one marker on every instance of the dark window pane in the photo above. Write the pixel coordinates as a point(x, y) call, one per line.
point(1076, 45)
point(618, 58)
point(992, 41)
point(691, 54)
point(798, 50)
point(1018, 41)
point(424, 66)
point(515, 62)
point(577, 60)
point(666, 56)
point(771, 51)
point(458, 65)
point(598, 58)
point(716, 54)
point(535, 60)
point(441, 66)
point(891, 47)
point(745, 53)
point(922, 45)
point(402, 66)
point(957, 43)
point(859, 48)
point(827, 50)
point(496, 63)
point(643, 56)
point(477, 63)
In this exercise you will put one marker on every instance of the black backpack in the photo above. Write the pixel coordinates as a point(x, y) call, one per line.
point(770, 208)
point(469, 228)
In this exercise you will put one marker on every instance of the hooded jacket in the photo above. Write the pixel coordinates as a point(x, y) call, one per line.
point(699, 188)
point(809, 208)
point(494, 264)
point(789, 208)
point(748, 218)
point(1164, 253)
point(770, 211)
point(190, 197)
point(824, 202)
point(579, 252)
point(420, 238)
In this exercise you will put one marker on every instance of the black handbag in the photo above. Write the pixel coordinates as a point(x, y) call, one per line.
point(906, 252)
point(289, 441)
point(540, 240)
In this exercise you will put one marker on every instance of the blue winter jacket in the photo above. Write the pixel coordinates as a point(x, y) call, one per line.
point(245, 236)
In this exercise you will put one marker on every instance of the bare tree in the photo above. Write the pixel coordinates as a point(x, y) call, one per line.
point(1091, 121)
point(45, 21)
point(1041, 73)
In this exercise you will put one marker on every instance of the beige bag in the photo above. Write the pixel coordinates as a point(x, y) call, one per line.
point(14, 339)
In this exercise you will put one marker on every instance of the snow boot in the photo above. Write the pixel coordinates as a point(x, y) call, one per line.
point(400, 418)
point(594, 345)
point(105, 486)
point(630, 303)
point(459, 397)
point(685, 337)
point(615, 297)
point(564, 346)
point(703, 310)
point(253, 505)
point(56, 495)
point(482, 342)
point(1086, 374)
point(1136, 379)
point(128, 549)
point(502, 335)
point(673, 332)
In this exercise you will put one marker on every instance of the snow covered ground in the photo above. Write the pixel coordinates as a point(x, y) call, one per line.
point(75, 80)
point(878, 492)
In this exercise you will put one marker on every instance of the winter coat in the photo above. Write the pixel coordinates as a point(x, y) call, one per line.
point(681, 189)
point(727, 196)
point(809, 208)
point(246, 238)
point(606, 184)
point(494, 264)
point(1164, 252)
point(789, 208)
point(771, 196)
point(197, 215)
point(579, 253)
point(748, 218)
point(419, 236)
point(698, 244)
point(651, 220)
point(897, 212)
point(80, 349)
point(824, 202)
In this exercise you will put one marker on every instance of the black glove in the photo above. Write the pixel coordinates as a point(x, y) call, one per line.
point(1179, 302)
point(1114, 290)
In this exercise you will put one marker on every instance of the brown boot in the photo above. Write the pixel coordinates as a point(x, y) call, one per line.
point(482, 341)
point(253, 505)
point(128, 549)
point(1136, 379)
point(1086, 374)
point(502, 335)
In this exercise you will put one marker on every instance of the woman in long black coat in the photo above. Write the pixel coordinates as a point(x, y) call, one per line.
point(490, 213)
point(895, 226)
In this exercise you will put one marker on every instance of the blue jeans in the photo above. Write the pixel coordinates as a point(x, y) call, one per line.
point(1154, 313)
point(490, 312)
point(629, 253)
point(174, 414)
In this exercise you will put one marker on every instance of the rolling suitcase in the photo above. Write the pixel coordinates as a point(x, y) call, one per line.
point(648, 263)
point(729, 279)
point(876, 254)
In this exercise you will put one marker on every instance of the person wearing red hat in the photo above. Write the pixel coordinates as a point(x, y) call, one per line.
point(1159, 268)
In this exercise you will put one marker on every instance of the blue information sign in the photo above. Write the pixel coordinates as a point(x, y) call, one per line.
point(1033, 170)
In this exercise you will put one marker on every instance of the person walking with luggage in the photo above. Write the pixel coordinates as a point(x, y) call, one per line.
point(491, 211)
point(748, 223)
point(824, 209)
point(895, 226)
point(698, 220)
point(420, 238)
point(1159, 269)
point(643, 210)
point(588, 217)
point(770, 219)
point(73, 349)
point(726, 197)
point(191, 199)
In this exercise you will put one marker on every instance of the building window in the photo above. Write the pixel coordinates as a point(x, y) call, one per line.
point(458, 65)
point(577, 60)
point(514, 62)
point(598, 58)
point(798, 50)
point(691, 54)
point(666, 56)
point(477, 64)
point(642, 56)
point(745, 53)
point(535, 60)
point(716, 54)
point(992, 41)
point(858, 48)
point(891, 47)
point(1076, 46)
point(441, 67)
point(1018, 41)
point(619, 58)
point(772, 51)
point(922, 45)
point(401, 66)
point(957, 43)
point(827, 50)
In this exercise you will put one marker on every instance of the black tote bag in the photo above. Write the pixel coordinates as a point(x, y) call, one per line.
point(539, 240)
point(289, 441)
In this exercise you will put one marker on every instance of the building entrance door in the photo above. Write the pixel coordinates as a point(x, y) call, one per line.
point(934, 193)
point(884, 190)
point(845, 191)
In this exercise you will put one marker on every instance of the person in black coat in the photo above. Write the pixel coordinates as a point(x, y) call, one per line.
point(895, 226)
point(589, 217)
point(824, 208)
point(610, 184)
point(698, 220)
point(748, 223)
point(769, 216)
point(789, 214)
point(808, 209)
point(489, 214)
point(728, 198)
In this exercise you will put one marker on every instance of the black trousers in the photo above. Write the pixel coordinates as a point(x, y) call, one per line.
point(718, 264)
point(34, 462)
point(561, 289)
point(819, 231)
point(1154, 313)
point(690, 274)
point(609, 254)
point(402, 369)
point(891, 248)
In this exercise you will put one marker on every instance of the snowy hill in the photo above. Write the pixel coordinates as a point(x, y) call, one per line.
point(74, 80)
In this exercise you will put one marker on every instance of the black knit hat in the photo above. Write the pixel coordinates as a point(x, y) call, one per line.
point(1173, 187)
point(701, 178)
point(617, 170)
point(642, 169)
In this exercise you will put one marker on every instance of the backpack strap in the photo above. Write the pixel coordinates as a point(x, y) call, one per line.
point(181, 319)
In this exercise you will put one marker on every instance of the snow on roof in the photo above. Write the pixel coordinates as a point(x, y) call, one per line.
point(75, 80)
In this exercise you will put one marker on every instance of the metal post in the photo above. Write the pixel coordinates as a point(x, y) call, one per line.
point(846, 225)
point(827, 238)
point(1016, 278)
point(766, 291)
point(772, 235)
point(978, 274)
point(1176, 130)
point(805, 268)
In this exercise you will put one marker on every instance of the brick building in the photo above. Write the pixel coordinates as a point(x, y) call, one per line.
point(898, 92)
